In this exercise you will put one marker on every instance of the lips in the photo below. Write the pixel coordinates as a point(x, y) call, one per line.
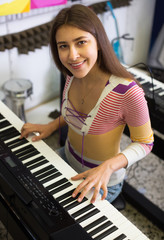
point(77, 65)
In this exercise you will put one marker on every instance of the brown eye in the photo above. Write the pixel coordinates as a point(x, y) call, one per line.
point(81, 42)
point(63, 46)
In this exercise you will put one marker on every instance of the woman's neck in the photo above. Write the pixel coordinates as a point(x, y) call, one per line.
point(95, 76)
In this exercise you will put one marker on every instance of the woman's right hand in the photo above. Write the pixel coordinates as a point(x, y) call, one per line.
point(44, 130)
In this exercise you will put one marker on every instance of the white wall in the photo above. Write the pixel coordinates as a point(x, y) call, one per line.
point(38, 66)
point(136, 20)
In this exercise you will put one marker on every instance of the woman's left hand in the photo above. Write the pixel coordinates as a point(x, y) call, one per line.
point(96, 178)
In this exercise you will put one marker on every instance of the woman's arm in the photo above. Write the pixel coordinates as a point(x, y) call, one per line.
point(44, 130)
point(98, 177)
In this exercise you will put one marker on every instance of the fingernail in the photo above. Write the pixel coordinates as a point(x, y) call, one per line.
point(79, 199)
point(73, 195)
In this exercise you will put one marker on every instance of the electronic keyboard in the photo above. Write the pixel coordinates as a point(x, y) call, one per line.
point(153, 88)
point(36, 182)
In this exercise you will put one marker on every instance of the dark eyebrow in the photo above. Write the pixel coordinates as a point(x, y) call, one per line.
point(74, 40)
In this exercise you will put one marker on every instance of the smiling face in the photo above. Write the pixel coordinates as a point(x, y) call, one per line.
point(77, 50)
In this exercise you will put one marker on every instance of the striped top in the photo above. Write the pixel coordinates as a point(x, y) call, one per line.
point(121, 103)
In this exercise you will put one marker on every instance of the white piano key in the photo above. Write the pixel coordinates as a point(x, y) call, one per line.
point(161, 94)
point(143, 81)
point(80, 206)
point(56, 195)
point(32, 158)
point(11, 139)
point(49, 175)
point(142, 237)
point(116, 234)
point(113, 234)
point(85, 212)
point(52, 181)
point(131, 231)
point(21, 146)
point(99, 224)
point(154, 88)
point(102, 231)
point(105, 207)
point(40, 167)
point(92, 219)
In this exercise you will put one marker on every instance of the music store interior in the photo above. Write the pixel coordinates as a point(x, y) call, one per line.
point(31, 88)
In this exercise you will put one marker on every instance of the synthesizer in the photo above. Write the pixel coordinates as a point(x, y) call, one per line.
point(35, 181)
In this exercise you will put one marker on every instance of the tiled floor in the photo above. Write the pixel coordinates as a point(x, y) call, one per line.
point(147, 176)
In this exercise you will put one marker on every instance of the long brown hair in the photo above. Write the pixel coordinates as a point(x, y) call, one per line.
point(84, 18)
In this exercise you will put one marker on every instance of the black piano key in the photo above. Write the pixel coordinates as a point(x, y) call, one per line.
point(149, 95)
point(82, 210)
point(158, 90)
point(37, 173)
point(37, 165)
point(95, 223)
point(100, 228)
point(68, 200)
point(160, 101)
point(106, 233)
point(1, 116)
point(162, 97)
point(87, 215)
point(56, 184)
point(139, 78)
point(65, 195)
point(28, 155)
point(147, 84)
point(16, 143)
point(75, 204)
point(51, 177)
point(146, 87)
point(4, 124)
point(23, 149)
point(9, 135)
point(44, 175)
point(120, 237)
point(36, 160)
point(7, 131)
point(58, 189)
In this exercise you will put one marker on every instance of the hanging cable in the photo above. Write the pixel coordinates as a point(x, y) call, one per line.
point(117, 47)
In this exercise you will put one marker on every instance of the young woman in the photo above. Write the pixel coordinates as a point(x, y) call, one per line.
point(99, 99)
